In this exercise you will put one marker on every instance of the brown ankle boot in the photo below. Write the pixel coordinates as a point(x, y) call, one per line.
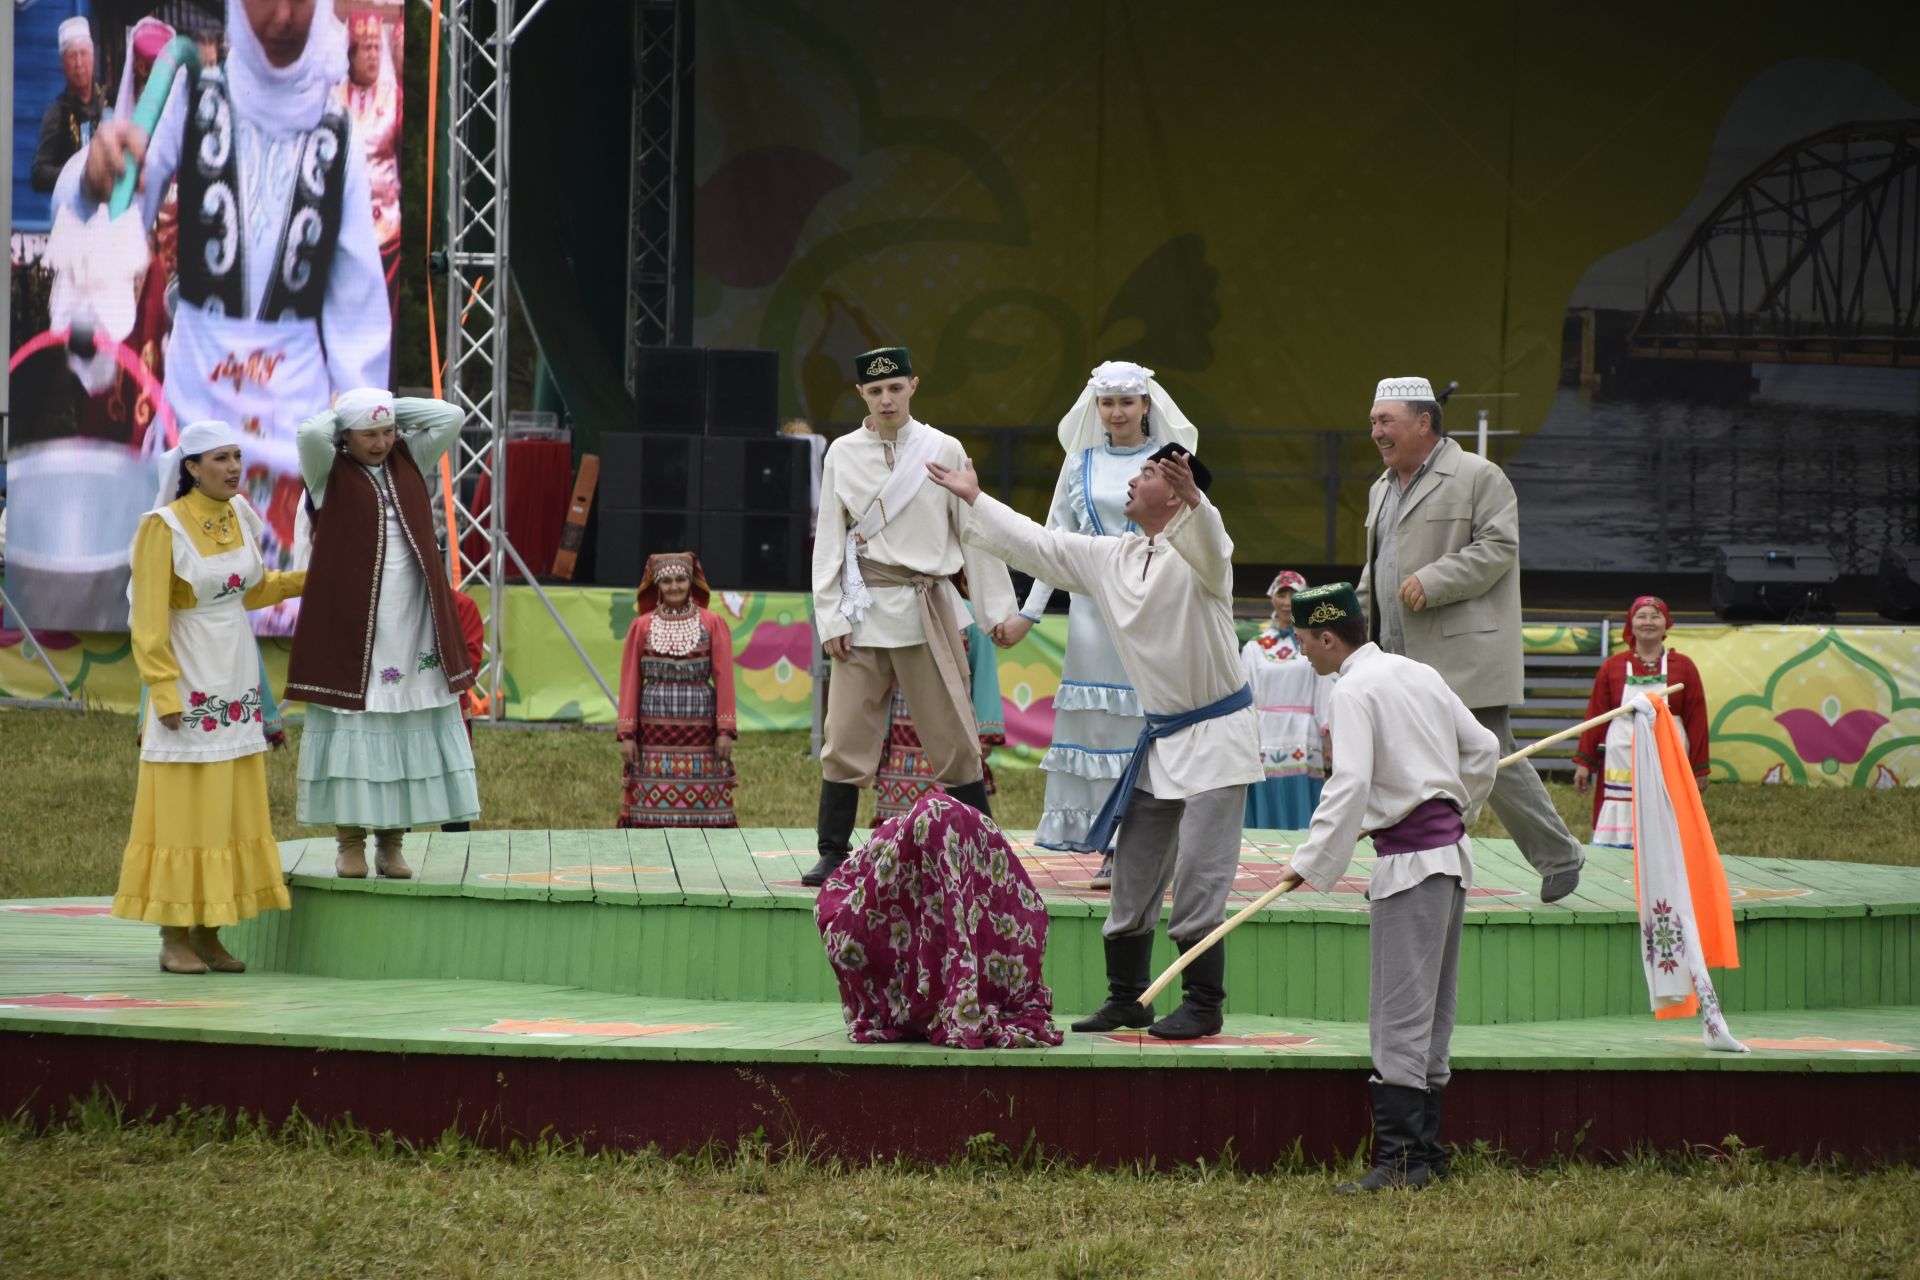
point(350, 860)
point(387, 860)
point(175, 955)
point(205, 941)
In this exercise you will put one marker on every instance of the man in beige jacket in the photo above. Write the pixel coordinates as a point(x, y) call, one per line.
point(1441, 585)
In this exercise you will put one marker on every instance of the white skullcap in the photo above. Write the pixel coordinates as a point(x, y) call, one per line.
point(364, 410)
point(1403, 389)
point(208, 433)
point(1119, 378)
point(195, 438)
point(75, 31)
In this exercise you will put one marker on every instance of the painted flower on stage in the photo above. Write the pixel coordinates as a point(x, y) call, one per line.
point(1026, 696)
point(775, 660)
point(1838, 707)
point(1830, 733)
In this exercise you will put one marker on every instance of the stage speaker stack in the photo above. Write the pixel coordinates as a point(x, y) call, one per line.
point(705, 470)
point(1767, 583)
point(1897, 589)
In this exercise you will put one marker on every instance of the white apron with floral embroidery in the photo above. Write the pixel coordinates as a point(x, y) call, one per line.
point(1669, 930)
point(214, 646)
point(406, 673)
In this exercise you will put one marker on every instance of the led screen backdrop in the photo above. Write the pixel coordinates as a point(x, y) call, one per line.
point(251, 278)
point(1276, 205)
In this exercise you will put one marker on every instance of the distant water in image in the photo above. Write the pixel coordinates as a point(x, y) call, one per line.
point(1614, 485)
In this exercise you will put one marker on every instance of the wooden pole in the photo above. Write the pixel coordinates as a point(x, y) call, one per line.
point(1266, 899)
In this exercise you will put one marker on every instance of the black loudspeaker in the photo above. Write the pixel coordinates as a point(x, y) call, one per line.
point(670, 390)
point(1774, 584)
point(627, 538)
point(642, 472)
point(743, 393)
point(768, 476)
point(1897, 590)
point(755, 552)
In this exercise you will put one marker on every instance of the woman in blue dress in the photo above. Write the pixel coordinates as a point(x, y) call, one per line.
point(1112, 429)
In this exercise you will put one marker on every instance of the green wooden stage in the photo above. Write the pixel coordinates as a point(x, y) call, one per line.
point(669, 987)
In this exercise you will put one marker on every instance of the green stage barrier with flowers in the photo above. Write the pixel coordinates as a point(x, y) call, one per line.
point(1832, 706)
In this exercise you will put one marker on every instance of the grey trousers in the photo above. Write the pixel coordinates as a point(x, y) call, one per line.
point(1521, 802)
point(1414, 938)
point(1192, 844)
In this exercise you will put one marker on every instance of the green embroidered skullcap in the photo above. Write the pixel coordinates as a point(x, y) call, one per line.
point(1324, 606)
point(882, 362)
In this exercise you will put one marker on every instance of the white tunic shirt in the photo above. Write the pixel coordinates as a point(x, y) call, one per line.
point(263, 375)
point(1091, 497)
point(924, 536)
point(1400, 738)
point(1168, 603)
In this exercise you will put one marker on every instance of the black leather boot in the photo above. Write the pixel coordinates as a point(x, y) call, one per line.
point(839, 805)
point(1397, 1116)
point(1432, 1153)
point(975, 794)
point(1205, 991)
point(1129, 970)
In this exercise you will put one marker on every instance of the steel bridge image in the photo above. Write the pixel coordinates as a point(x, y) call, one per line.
point(1813, 258)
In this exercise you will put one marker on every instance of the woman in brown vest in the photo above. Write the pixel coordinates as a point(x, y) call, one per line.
point(378, 654)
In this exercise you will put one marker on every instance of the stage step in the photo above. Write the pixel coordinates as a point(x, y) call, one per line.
point(52, 963)
point(84, 1009)
point(721, 915)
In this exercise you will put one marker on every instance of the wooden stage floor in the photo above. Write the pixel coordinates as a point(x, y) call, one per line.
point(630, 987)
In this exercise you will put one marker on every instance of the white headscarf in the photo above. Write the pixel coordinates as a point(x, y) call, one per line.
point(124, 104)
point(363, 409)
point(285, 99)
point(196, 438)
point(75, 31)
point(1082, 428)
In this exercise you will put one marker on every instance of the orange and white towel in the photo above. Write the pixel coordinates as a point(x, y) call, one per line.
point(1686, 914)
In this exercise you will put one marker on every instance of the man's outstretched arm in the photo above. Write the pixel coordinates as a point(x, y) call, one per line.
point(1069, 560)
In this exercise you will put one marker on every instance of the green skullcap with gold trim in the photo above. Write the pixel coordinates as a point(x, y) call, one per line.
point(1325, 606)
point(882, 362)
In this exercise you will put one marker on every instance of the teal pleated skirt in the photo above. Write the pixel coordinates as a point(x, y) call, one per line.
point(386, 770)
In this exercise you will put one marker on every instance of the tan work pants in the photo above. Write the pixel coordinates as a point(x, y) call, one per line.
point(859, 697)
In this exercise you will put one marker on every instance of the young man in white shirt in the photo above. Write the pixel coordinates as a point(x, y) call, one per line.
point(1411, 765)
point(886, 544)
point(1166, 593)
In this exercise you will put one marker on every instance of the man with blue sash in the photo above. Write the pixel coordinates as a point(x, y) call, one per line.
point(1411, 765)
point(1166, 593)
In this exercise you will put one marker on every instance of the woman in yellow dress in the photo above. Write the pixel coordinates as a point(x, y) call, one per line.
point(201, 853)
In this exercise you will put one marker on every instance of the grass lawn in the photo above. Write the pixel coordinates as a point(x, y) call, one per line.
point(186, 1199)
point(70, 781)
point(192, 1196)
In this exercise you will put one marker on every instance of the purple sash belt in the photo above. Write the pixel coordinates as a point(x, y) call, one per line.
point(1433, 824)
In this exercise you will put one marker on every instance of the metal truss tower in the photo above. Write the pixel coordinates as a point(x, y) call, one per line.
point(480, 40)
point(662, 48)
